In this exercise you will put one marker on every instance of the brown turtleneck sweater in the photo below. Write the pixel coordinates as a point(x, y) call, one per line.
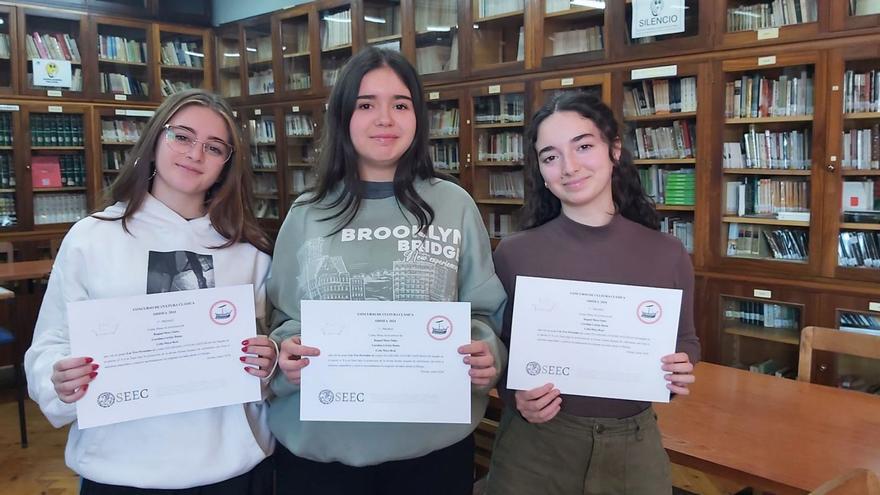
point(621, 252)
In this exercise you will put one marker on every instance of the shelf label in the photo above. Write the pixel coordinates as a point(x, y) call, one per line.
point(768, 33)
point(833, 158)
point(835, 88)
point(763, 294)
point(257, 111)
point(53, 92)
point(494, 89)
point(141, 113)
point(294, 108)
point(235, 113)
point(121, 97)
point(566, 81)
point(874, 306)
point(120, 111)
point(9, 108)
point(434, 95)
point(55, 109)
point(768, 60)
point(650, 72)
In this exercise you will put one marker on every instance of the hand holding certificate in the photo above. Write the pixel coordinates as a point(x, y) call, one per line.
point(164, 353)
point(386, 361)
point(592, 339)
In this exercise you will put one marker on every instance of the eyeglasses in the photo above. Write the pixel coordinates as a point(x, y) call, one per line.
point(180, 140)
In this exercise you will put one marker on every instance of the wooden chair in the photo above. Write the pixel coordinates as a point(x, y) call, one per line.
point(856, 482)
point(833, 340)
point(7, 337)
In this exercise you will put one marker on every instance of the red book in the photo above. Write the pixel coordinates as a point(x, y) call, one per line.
point(41, 48)
point(63, 45)
point(45, 172)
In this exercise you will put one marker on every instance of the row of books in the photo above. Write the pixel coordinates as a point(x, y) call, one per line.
point(500, 147)
point(441, 55)
point(861, 91)
point(5, 46)
point(757, 95)
point(7, 171)
point(121, 49)
point(299, 125)
point(59, 208)
point(58, 171)
point(265, 184)
point(861, 148)
point(675, 141)
point(122, 84)
point(73, 170)
point(860, 195)
point(297, 78)
point(488, 8)
point(8, 215)
point(681, 228)
point(56, 46)
point(335, 29)
point(444, 121)
point(859, 249)
point(168, 87)
point(761, 242)
point(56, 130)
point(851, 321)
point(114, 159)
point(263, 159)
point(500, 225)
point(435, 15)
point(773, 368)
point(259, 49)
point(261, 82)
point(786, 150)
point(444, 155)
point(506, 185)
point(266, 208)
point(660, 96)
point(770, 197)
point(300, 180)
point(6, 129)
point(771, 14)
point(183, 54)
point(762, 314)
point(262, 130)
point(669, 187)
point(121, 130)
point(576, 41)
point(499, 109)
point(76, 81)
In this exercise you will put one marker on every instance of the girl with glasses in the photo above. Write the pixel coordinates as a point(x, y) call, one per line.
point(375, 177)
point(179, 218)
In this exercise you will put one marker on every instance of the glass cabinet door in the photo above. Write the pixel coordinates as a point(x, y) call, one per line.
point(336, 40)
point(295, 53)
point(258, 45)
point(229, 63)
point(499, 33)
point(436, 36)
point(49, 40)
point(182, 60)
point(123, 61)
point(382, 24)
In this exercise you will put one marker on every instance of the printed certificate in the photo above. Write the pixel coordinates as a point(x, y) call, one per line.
point(386, 361)
point(164, 353)
point(592, 339)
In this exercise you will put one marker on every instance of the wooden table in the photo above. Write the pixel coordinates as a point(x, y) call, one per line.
point(770, 433)
point(25, 270)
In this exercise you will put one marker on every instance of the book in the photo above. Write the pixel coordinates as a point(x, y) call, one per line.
point(45, 172)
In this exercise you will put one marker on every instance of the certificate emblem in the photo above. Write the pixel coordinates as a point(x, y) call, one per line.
point(533, 368)
point(325, 396)
point(106, 399)
point(223, 312)
point(649, 312)
point(439, 327)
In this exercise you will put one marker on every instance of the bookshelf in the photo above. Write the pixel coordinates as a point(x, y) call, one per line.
point(859, 314)
point(571, 33)
point(8, 50)
point(57, 37)
point(261, 136)
point(499, 113)
point(498, 34)
point(301, 130)
point(437, 48)
point(184, 58)
point(336, 41)
point(771, 126)
point(10, 134)
point(296, 40)
point(259, 59)
point(119, 129)
point(230, 80)
point(123, 57)
point(660, 112)
point(447, 128)
point(750, 22)
point(60, 189)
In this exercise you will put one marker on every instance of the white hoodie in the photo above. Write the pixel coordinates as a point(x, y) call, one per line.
point(99, 260)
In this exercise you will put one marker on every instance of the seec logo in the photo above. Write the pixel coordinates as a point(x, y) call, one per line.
point(535, 368)
point(328, 397)
point(107, 399)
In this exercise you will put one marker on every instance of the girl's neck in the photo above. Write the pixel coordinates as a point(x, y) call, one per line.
point(188, 206)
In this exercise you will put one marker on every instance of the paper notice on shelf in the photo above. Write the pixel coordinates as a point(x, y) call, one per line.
point(657, 17)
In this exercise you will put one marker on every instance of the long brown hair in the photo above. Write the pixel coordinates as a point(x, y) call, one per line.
point(228, 201)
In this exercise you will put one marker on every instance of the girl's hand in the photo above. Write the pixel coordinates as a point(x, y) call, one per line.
point(539, 405)
point(292, 358)
point(72, 376)
point(681, 372)
point(264, 362)
point(481, 360)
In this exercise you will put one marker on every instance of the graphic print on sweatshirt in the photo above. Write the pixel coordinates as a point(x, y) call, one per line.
point(179, 270)
point(382, 264)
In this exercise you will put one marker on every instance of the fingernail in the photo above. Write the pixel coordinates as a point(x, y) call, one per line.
point(246, 368)
point(85, 387)
point(244, 349)
point(93, 374)
point(244, 342)
point(89, 360)
point(242, 358)
point(95, 366)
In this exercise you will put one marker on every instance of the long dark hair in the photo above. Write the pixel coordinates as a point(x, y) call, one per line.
point(629, 197)
point(338, 160)
point(228, 201)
